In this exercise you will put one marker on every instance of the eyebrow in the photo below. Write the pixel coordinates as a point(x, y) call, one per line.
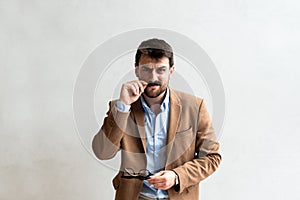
point(162, 66)
point(149, 66)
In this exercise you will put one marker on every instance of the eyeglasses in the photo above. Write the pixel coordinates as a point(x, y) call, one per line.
point(129, 173)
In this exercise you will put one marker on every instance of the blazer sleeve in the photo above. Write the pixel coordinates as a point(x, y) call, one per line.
point(207, 157)
point(107, 142)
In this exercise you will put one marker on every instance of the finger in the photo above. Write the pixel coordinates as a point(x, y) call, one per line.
point(141, 87)
point(133, 89)
point(162, 180)
point(144, 83)
point(136, 86)
point(161, 185)
point(158, 174)
point(156, 178)
point(155, 184)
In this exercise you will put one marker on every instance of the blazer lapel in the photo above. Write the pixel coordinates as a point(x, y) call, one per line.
point(139, 115)
point(174, 120)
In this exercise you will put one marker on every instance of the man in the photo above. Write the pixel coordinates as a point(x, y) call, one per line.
point(166, 137)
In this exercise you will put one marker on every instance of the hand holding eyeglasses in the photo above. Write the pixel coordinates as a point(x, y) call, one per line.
point(162, 180)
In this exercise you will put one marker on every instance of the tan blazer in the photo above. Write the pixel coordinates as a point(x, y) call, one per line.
point(192, 146)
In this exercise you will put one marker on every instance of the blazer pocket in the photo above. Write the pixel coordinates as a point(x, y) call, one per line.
point(182, 141)
point(184, 132)
point(180, 152)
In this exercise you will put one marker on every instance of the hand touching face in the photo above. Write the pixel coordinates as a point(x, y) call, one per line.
point(156, 73)
point(131, 91)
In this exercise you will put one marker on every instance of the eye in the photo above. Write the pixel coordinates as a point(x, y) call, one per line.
point(146, 69)
point(161, 70)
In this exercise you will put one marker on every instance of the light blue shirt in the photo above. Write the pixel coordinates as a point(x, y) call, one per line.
point(156, 134)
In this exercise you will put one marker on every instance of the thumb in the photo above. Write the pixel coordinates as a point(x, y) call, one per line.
point(158, 174)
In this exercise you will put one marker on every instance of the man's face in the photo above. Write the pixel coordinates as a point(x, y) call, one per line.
point(156, 73)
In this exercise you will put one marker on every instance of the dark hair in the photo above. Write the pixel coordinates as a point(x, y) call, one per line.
point(156, 49)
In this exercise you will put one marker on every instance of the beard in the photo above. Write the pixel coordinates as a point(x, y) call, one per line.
point(153, 93)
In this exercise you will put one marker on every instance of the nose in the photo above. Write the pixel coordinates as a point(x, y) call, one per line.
point(153, 76)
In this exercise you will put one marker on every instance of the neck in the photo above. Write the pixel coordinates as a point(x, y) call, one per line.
point(155, 101)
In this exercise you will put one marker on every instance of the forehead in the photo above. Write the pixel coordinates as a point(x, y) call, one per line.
point(145, 59)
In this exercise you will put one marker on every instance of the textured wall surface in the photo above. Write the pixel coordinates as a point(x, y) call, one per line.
point(254, 44)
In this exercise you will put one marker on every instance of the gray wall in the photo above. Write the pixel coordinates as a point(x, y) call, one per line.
point(254, 45)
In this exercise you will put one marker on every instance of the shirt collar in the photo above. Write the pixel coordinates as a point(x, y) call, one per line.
point(163, 106)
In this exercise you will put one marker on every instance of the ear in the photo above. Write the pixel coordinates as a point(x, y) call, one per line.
point(136, 70)
point(172, 69)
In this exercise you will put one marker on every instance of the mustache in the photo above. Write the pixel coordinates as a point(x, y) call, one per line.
point(155, 83)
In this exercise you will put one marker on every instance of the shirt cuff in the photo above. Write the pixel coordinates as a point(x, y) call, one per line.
point(121, 106)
